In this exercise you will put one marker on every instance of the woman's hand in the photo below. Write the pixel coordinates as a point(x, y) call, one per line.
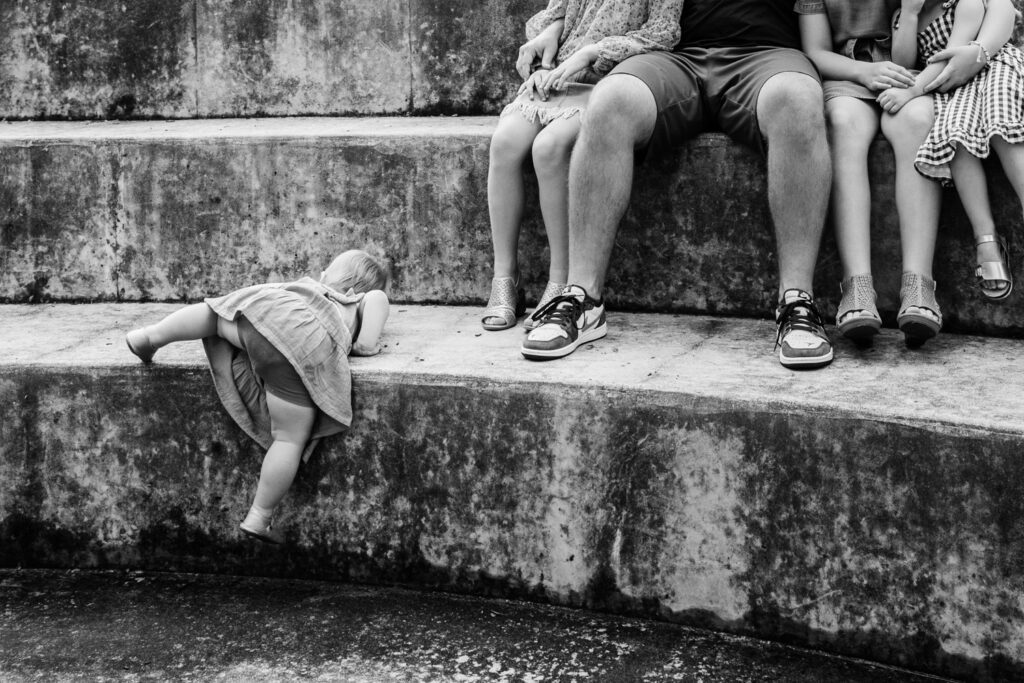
point(534, 85)
point(558, 78)
point(962, 64)
point(884, 75)
point(542, 49)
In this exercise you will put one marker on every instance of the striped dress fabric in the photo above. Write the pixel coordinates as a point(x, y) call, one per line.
point(991, 104)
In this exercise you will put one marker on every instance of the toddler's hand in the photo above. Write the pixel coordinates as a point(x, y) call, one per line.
point(885, 75)
point(893, 99)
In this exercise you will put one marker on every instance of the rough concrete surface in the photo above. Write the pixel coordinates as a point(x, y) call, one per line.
point(148, 626)
point(673, 469)
point(212, 58)
point(173, 211)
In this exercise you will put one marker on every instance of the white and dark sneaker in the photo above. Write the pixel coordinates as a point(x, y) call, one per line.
point(802, 341)
point(570, 319)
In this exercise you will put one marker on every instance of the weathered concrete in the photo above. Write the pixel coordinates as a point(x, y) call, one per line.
point(674, 470)
point(212, 58)
point(131, 625)
point(179, 210)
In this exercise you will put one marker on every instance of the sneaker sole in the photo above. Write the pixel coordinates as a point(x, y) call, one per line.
point(549, 354)
point(805, 363)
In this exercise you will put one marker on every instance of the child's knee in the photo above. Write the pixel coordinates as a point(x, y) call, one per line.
point(551, 150)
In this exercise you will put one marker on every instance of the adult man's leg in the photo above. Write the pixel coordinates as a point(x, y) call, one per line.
point(620, 117)
point(791, 119)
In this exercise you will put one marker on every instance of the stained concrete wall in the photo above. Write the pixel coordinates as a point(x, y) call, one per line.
point(214, 58)
point(181, 210)
point(900, 542)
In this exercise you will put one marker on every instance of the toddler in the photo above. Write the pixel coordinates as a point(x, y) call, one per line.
point(985, 113)
point(279, 357)
point(543, 122)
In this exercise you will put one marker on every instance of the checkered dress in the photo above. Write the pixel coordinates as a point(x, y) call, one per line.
point(991, 104)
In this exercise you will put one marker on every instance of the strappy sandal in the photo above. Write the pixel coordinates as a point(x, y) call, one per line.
point(857, 317)
point(920, 325)
point(995, 271)
point(506, 305)
point(552, 290)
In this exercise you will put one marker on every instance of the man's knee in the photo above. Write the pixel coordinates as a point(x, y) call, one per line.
point(621, 108)
point(791, 105)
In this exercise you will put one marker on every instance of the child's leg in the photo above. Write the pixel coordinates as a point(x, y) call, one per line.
point(509, 146)
point(972, 187)
point(853, 124)
point(291, 425)
point(1012, 158)
point(918, 199)
point(192, 322)
point(551, 151)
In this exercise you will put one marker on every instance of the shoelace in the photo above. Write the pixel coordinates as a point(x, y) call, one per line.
point(799, 315)
point(553, 312)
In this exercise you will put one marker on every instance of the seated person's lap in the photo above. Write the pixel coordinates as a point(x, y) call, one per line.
point(699, 89)
point(278, 375)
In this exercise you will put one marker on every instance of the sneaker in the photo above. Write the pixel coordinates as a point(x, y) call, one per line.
point(802, 341)
point(570, 319)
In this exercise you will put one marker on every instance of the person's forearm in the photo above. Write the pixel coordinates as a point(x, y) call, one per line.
point(836, 67)
point(926, 76)
point(997, 26)
point(904, 41)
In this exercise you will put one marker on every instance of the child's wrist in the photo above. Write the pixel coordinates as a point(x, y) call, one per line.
point(983, 55)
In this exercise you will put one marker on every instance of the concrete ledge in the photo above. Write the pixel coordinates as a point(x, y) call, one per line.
point(179, 210)
point(211, 58)
point(674, 469)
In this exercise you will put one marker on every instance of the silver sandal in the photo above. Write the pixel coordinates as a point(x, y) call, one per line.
point(918, 291)
point(995, 271)
point(552, 290)
point(857, 317)
point(505, 306)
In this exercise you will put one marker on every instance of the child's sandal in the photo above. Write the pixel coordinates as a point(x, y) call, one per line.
point(919, 318)
point(552, 290)
point(506, 304)
point(995, 271)
point(857, 318)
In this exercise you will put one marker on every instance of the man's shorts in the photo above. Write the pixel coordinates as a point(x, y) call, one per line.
point(700, 89)
point(278, 375)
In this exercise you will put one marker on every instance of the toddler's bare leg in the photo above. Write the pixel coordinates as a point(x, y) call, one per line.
point(192, 322)
point(290, 426)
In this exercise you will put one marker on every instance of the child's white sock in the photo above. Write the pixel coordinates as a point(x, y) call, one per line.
point(257, 519)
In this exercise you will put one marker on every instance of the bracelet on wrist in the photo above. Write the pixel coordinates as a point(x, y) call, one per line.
point(982, 52)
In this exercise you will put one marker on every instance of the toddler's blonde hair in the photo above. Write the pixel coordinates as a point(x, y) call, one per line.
point(355, 270)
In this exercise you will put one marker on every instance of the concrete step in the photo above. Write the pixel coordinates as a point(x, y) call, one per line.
point(211, 58)
point(673, 469)
point(115, 625)
point(179, 210)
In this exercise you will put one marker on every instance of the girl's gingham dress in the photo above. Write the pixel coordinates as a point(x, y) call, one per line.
point(990, 104)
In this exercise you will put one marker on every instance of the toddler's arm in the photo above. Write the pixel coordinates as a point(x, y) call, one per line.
point(964, 62)
point(966, 22)
point(816, 38)
point(373, 313)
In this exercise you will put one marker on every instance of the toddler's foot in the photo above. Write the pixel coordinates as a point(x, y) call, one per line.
point(257, 525)
point(139, 344)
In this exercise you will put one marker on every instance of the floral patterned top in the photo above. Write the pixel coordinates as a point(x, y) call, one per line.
point(620, 28)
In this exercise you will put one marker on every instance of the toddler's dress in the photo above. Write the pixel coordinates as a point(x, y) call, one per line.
point(304, 321)
point(620, 28)
point(990, 104)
